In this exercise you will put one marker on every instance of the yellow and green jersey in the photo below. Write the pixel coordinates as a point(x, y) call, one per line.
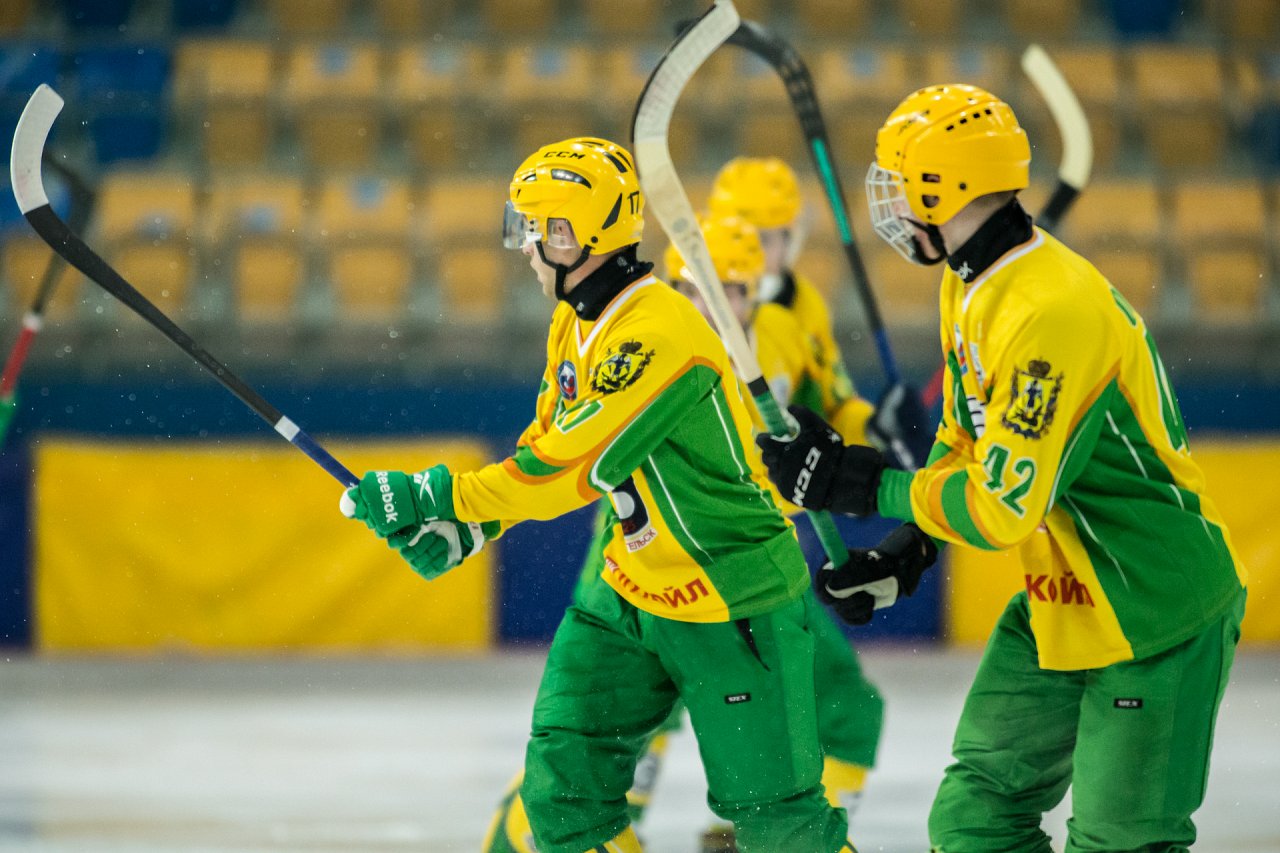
point(1061, 437)
point(642, 405)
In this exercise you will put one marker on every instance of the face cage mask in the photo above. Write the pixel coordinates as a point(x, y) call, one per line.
point(519, 231)
point(892, 219)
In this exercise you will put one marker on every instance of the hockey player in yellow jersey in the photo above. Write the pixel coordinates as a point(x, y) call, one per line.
point(701, 600)
point(850, 708)
point(765, 192)
point(1061, 439)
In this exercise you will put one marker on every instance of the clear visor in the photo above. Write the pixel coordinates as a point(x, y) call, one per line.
point(519, 231)
point(890, 211)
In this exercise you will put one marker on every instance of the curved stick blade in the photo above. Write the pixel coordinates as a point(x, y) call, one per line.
point(28, 144)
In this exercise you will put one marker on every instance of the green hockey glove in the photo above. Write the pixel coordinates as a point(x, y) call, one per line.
point(436, 547)
point(388, 501)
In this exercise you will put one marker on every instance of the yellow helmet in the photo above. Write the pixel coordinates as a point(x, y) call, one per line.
point(591, 183)
point(734, 245)
point(762, 190)
point(950, 144)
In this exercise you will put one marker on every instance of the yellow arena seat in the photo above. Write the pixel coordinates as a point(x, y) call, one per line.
point(547, 92)
point(146, 224)
point(989, 67)
point(432, 88)
point(462, 210)
point(14, 15)
point(1219, 230)
point(1138, 274)
point(309, 17)
point(1114, 212)
point(255, 224)
point(333, 93)
point(363, 225)
point(634, 19)
point(518, 17)
point(858, 88)
point(352, 208)
point(471, 284)
point(1178, 99)
point(228, 85)
point(370, 282)
point(1247, 22)
point(935, 19)
point(412, 17)
point(1118, 226)
point(833, 18)
point(23, 261)
point(1042, 19)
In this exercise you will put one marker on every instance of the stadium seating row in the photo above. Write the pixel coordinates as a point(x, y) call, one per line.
point(340, 99)
point(373, 243)
point(1243, 21)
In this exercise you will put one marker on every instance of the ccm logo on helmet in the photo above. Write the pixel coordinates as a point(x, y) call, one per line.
point(565, 155)
point(388, 502)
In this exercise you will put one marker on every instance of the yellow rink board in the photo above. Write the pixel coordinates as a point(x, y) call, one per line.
point(236, 546)
point(1240, 474)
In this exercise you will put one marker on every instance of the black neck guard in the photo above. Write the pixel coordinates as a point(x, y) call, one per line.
point(590, 296)
point(1008, 227)
point(787, 294)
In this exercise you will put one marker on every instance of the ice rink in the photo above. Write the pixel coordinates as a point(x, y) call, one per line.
point(358, 754)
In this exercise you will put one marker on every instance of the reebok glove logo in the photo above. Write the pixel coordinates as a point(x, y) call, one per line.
point(388, 500)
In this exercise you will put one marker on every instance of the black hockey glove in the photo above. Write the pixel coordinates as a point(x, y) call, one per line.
point(872, 579)
point(900, 427)
point(816, 470)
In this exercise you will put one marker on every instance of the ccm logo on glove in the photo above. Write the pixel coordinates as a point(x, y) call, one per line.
point(805, 476)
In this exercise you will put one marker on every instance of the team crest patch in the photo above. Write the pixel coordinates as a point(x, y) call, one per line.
point(1035, 399)
point(621, 369)
point(567, 377)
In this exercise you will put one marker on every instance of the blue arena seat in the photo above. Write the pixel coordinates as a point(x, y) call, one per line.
point(190, 15)
point(1143, 19)
point(96, 14)
point(121, 89)
point(24, 66)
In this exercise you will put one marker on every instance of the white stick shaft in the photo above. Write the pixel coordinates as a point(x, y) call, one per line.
point(1073, 125)
point(665, 194)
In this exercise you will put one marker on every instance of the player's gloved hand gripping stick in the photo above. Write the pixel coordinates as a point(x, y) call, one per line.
point(28, 188)
point(667, 199)
point(900, 413)
point(414, 514)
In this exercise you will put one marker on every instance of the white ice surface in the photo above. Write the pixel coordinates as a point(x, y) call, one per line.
point(359, 754)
